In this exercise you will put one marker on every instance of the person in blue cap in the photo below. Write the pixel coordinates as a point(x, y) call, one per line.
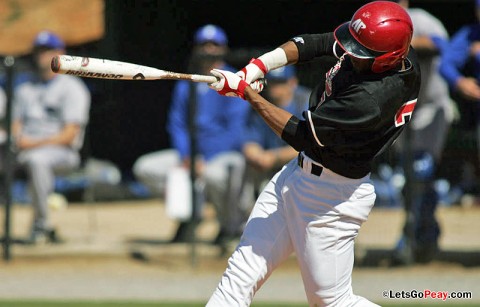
point(218, 125)
point(50, 113)
point(265, 153)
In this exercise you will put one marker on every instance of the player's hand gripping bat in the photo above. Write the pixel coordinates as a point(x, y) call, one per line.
point(108, 69)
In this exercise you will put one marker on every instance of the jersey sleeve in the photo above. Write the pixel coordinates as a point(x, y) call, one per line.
point(311, 46)
point(455, 55)
point(77, 102)
point(177, 123)
point(328, 124)
point(18, 104)
point(425, 24)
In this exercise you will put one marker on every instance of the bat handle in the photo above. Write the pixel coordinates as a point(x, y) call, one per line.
point(212, 79)
point(202, 78)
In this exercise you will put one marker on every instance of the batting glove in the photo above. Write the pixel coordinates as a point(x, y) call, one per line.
point(255, 70)
point(228, 84)
point(258, 85)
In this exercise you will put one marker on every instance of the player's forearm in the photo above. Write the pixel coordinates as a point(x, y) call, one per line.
point(291, 51)
point(285, 154)
point(423, 43)
point(274, 116)
point(64, 138)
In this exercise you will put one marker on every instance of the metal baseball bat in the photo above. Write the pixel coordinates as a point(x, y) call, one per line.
point(108, 69)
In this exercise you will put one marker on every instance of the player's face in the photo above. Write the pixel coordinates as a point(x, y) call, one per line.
point(43, 58)
point(210, 56)
point(361, 65)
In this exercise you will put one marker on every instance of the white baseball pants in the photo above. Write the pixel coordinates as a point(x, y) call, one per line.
point(318, 218)
point(42, 164)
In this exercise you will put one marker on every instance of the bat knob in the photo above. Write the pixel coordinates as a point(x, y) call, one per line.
point(55, 64)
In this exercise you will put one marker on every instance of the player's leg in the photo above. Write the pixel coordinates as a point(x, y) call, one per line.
point(264, 245)
point(41, 165)
point(223, 183)
point(323, 216)
point(151, 169)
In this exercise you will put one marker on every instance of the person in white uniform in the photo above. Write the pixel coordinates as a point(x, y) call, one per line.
point(49, 117)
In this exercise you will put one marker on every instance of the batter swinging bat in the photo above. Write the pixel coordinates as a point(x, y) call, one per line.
point(107, 69)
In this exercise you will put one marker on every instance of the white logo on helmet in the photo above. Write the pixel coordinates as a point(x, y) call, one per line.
point(358, 25)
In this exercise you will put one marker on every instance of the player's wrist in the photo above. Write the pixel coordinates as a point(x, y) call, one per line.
point(242, 85)
point(273, 59)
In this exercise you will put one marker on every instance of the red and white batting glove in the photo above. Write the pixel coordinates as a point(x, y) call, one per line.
point(228, 84)
point(258, 68)
point(258, 85)
point(255, 70)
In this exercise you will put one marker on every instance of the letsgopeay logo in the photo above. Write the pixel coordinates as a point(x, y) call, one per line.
point(93, 74)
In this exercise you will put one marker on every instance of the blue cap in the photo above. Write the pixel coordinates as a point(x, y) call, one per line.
point(281, 74)
point(477, 3)
point(211, 33)
point(48, 40)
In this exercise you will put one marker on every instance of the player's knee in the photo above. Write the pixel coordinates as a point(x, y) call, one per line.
point(36, 160)
point(139, 168)
point(424, 166)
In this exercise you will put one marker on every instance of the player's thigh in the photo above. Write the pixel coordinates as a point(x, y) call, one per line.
point(156, 165)
point(223, 167)
point(54, 157)
point(266, 235)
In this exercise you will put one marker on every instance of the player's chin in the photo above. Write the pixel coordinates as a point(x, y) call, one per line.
point(361, 65)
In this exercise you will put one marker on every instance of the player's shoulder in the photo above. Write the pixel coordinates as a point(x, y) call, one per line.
point(390, 87)
point(67, 81)
point(420, 14)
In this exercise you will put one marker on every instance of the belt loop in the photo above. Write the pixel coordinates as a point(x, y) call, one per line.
point(313, 169)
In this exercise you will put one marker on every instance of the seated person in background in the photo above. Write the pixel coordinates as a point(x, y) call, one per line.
point(264, 152)
point(50, 113)
point(218, 126)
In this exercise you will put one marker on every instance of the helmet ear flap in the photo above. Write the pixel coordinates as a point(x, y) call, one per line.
point(388, 60)
point(385, 62)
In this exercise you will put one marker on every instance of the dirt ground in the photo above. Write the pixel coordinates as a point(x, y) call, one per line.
point(120, 251)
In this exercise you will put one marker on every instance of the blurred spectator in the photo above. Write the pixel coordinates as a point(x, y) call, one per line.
point(460, 66)
point(265, 153)
point(218, 122)
point(49, 116)
point(433, 115)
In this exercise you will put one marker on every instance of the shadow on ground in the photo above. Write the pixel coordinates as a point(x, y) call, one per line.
point(383, 258)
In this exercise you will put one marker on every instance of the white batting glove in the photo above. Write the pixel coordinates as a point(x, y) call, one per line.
point(255, 70)
point(228, 84)
point(258, 85)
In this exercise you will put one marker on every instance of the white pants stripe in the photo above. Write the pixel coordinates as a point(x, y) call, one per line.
point(318, 218)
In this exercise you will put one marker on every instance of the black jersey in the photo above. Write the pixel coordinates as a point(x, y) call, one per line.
point(352, 117)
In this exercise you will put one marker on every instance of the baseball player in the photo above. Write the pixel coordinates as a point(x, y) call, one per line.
point(433, 116)
point(49, 117)
point(316, 204)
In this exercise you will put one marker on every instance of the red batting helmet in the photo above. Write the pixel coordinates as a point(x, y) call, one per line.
point(380, 30)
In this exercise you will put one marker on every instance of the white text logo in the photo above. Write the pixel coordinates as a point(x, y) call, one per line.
point(358, 25)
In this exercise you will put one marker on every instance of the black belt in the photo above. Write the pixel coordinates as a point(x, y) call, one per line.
point(316, 169)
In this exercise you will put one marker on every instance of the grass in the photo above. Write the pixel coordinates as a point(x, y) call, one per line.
point(32, 303)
